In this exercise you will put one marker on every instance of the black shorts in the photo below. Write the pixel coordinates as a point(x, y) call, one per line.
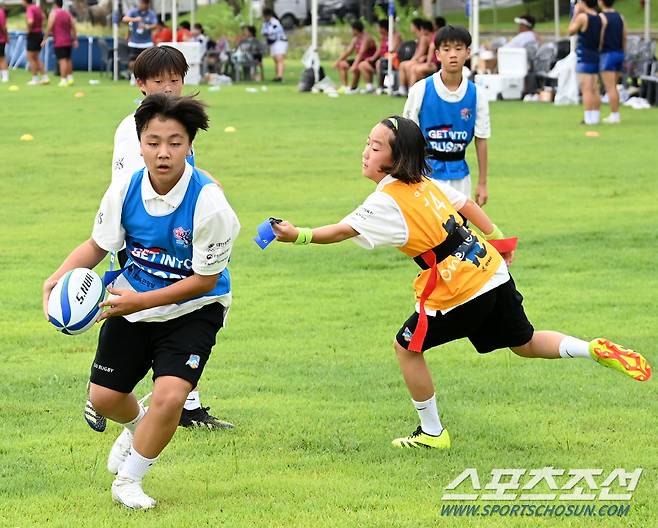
point(63, 53)
point(490, 321)
point(134, 53)
point(34, 41)
point(179, 347)
point(2, 49)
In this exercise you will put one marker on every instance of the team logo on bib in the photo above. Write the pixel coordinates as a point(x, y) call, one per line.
point(466, 113)
point(193, 362)
point(182, 236)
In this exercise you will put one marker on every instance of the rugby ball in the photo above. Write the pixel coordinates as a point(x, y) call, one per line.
point(73, 302)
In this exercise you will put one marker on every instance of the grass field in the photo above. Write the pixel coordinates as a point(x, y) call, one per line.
point(305, 367)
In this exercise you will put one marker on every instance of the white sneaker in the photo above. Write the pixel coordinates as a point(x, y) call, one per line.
point(120, 451)
point(129, 492)
point(34, 82)
point(612, 120)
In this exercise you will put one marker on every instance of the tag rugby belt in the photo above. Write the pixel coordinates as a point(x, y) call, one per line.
point(429, 260)
point(445, 156)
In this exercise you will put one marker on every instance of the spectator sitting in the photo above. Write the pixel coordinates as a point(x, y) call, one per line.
point(526, 33)
point(369, 66)
point(162, 33)
point(431, 64)
point(184, 32)
point(422, 29)
point(365, 47)
point(250, 51)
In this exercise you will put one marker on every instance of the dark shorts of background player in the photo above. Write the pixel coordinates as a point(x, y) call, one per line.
point(34, 41)
point(63, 52)
point(126, 351)
point(134, 52)
point(491, 321)
point(2, 50)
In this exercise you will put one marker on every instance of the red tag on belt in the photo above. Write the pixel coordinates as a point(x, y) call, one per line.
point(504, 245)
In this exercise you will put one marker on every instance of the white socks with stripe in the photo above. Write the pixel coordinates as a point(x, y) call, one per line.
point(572, 347)
point(428, 413)
point(193, 401)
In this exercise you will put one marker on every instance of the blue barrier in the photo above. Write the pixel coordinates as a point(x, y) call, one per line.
point(82, 60)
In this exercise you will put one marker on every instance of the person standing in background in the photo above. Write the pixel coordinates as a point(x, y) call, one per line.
point(34, 20)
point(142, 20)
point(62, 26)
point(276, 38)
point(587, 25)
point(611, 61)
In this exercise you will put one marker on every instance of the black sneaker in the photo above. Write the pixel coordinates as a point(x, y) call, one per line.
point(277, 79)
point(200, 418)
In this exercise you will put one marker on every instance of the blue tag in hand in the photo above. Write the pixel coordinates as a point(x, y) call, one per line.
point(265, 234)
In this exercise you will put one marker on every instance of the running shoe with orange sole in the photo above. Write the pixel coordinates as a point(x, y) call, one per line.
point(617, 357)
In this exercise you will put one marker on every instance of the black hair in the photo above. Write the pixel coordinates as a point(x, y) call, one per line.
point(408, 150)
point(188, 111)
point(383, 23)
point(59, 3)
point(608, 3)
point(358, 25)
point(159, 60)
point(185, 24)
point(418, 22)
point(199, 27)
point(457, 34)
point(439, 22)
point(147, 2)
point(251, 30)
point(427, 25)
point(268, 11)
point(590, 3)
point(160, 21)
point(28, 1)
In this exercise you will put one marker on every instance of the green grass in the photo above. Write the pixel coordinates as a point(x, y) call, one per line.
point(305, 367)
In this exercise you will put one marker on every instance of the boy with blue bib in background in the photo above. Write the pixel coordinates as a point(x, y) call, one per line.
point(167, 307)
point(451, 111)
point(611, 62)
point(587, 25)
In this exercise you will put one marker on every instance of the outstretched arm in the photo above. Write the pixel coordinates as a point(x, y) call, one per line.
point(329, 234)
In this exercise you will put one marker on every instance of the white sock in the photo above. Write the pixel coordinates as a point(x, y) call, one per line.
point(193, 401)
point(429, 416)
point(132, 424)
point(615, 116)
point(5, 74)
point(44, 77)
point(595, 117)
point(572, 347)
point(369, 86)
point(403, 90)
point(136, 466)
point(35, 78)
point(69, 77)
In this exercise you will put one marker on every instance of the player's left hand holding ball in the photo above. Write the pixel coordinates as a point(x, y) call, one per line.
point(125, 302)
point(285, 231)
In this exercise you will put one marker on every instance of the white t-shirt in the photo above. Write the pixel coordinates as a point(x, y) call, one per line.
point(417, 92)
point(215, 228)
point(127, 156)
point(521, 39)
point(380, 222)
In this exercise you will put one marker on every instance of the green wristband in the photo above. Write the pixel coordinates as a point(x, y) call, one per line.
point(305, 236)
point(496, 234)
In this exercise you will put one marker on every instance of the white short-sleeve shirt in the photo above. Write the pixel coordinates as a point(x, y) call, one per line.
point(215, 228)
point(417, 92)
point(380, 222)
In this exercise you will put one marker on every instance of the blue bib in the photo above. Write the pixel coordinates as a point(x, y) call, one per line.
point(159, 248)
point(448, 129)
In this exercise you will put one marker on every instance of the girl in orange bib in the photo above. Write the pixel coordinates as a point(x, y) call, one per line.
point(463, 289)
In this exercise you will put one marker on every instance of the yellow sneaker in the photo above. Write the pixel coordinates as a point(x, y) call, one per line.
point(617, 357)
point(70, 82)
point(420, 439)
